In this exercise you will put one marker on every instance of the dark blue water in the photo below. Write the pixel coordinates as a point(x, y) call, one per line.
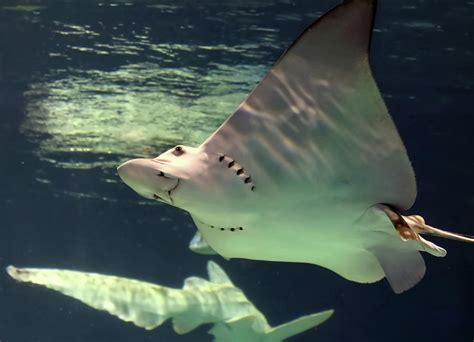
point(86, 85)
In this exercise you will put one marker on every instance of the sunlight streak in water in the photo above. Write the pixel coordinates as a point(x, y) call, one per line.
point(137, 110)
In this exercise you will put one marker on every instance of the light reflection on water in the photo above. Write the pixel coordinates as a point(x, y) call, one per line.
point(137, 110)
point(158, 92)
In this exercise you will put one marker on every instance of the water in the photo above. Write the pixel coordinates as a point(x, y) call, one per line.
point(87, 85)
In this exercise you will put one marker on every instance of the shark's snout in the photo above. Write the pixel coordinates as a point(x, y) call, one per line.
point(147, 179)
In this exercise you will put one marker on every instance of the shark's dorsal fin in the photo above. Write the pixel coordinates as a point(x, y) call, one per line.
point(217, 274)
point(185, 323)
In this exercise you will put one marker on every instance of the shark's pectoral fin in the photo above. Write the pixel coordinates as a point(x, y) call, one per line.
point(403, 268)
point(237, 330)
point(297, 326)
point(185, 323)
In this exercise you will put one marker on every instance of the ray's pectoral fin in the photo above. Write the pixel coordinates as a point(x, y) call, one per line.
point(318, 117)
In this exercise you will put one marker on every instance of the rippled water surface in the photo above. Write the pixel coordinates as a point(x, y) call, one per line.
point(85, 85)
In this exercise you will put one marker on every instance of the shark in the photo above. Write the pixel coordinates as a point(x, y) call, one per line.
point(216, 301)
point(310, 167)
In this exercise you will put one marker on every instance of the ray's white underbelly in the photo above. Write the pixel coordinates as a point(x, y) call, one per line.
point(303, 240)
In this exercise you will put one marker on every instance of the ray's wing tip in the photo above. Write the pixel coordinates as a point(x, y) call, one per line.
point(335, 11)
point(343, 6)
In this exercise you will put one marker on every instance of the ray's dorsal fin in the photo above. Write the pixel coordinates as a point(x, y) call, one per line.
point(318, 120)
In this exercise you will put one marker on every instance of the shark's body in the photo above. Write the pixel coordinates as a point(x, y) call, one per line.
point(215, 301)
point(310, 168)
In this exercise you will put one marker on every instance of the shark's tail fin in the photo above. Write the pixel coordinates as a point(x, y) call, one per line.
point(297, 326)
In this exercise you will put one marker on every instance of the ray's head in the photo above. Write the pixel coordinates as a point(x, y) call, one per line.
point(162, 177)
point(189, 178)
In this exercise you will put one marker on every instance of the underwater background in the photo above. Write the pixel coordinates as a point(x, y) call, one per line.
point(86, 85)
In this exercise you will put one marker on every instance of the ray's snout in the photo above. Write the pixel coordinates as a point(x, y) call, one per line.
point(145, 177)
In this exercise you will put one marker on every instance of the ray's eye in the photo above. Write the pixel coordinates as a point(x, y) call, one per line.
point(178, 150)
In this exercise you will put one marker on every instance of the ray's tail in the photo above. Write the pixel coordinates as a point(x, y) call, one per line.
point(412, 227)
point(403, 266)
point(418, 225)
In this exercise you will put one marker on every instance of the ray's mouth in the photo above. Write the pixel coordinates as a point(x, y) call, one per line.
point(169, 192)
